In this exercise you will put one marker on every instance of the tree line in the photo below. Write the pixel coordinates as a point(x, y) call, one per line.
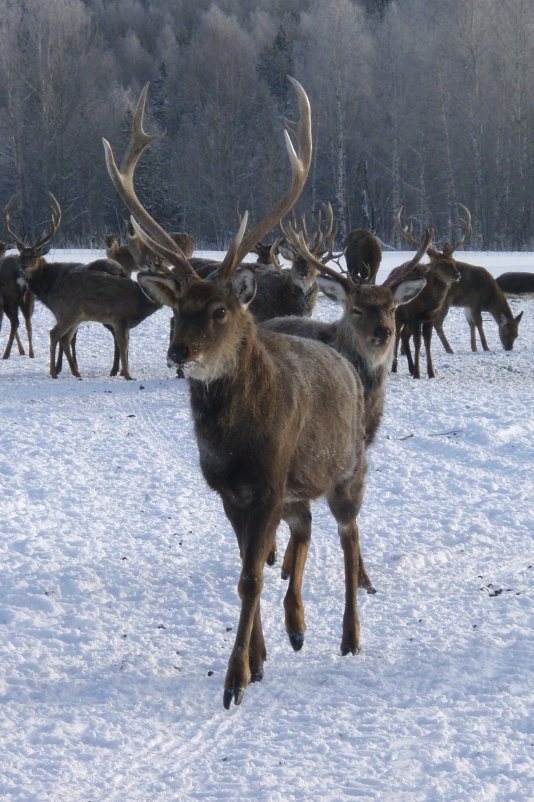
point(426, 104)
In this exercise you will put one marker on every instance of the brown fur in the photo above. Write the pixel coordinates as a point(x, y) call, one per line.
point(479, 292)
point(416, 319)
point(363, 254)
point(279, 421)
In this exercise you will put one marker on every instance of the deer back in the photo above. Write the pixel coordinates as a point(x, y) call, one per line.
point(363, 254)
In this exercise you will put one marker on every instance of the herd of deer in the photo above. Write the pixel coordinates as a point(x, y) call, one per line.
point(284, 406)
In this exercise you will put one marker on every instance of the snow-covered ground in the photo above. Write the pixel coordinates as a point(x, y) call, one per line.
point(118, 600)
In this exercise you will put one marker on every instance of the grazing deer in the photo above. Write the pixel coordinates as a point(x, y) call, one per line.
point(363, 254)
point(416, 319)
point(516, 283)
point(76, 292)
point(479, 292)
point(279, 420)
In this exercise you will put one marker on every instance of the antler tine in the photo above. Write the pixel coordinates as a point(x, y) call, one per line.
point(123, 181)
point(154, 247)
point(405, 229)
point(46, 236)
point(7, 220)
point(299, 244)
point(464, 224)
point(300, 159)
point(56, 222)
point(400, 272)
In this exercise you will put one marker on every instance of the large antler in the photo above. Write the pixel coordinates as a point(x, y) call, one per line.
point(298, 241)
point(157, 239)
point(45, 237)
point(148, 230)
point(398, 273)
point(300, 158)
point(448, 249)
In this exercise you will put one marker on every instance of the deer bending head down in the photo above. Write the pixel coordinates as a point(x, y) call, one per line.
point(279, 420)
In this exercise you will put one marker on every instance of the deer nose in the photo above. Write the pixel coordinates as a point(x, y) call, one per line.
point(382, 333)
point(177, 354)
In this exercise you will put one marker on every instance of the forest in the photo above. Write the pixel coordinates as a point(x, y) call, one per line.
point(424, 104)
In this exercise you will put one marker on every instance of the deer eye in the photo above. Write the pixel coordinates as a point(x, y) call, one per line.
point(219, 313)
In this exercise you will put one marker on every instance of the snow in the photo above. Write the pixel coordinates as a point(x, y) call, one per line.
point(118, 601)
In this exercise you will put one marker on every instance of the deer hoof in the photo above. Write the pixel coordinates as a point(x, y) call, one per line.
point(256, 674)
point(234, 693)
point(271, 559)
point(296, 640)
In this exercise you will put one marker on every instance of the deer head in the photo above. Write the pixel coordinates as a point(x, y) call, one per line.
point(31, 255)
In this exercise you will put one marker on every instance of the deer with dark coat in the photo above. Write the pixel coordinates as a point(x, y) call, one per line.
point(363, 254)
point(479, 292)
point(279, 420)
point(100, 291)
point(417, 318)
point(516, 283)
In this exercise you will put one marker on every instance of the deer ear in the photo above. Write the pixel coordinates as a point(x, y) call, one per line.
point(407, 290)
point(332, 289)
point(518, 318)
point(244, 286)
point(159, 289)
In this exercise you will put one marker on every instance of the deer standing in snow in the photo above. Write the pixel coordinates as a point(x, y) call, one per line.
point(279, 420)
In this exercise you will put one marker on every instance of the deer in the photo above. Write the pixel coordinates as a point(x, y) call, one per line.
point(278, 420)
point(416, 319)
point(479, 292)
point(100, 291)
point(282, 292)
point(365, 333)
point(516, 283)
point(14, 296)
point(363, 254)
point(120, 253)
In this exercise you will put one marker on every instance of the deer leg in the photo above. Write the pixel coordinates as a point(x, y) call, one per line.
point(255, 526)
point(395, 362)
point(444, 341)
point(27, 311)
point(298, 517)
point(121, 338)
point(116, 353)
point(427, 336)
point(477, 319)
point(472, 330)
point(345, 503)
point(13, 334)
point(405, 339)
point(416, 352)
point(65, 342)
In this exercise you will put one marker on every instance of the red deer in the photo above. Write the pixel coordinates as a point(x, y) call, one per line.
point(416, 319)
point(363, 254)
point(516, 283)
point(365, 333)
point(120, 253)
point(14, 296)
point(99, 291)
point(279, 420)
point(479, 292)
